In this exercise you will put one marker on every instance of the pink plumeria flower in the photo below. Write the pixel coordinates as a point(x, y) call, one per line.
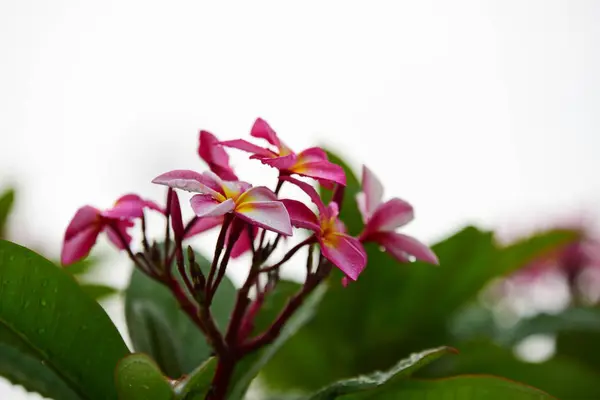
point(89, 222)
point(343, 250)
point(311, 162)
point(256, 205)
point(383, 218)
point(241, 246)
point(215, 156)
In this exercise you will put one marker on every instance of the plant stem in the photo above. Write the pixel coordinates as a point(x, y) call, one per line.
point(218, 249)
point(289, 254)
point(167, 262)
point(234, 234)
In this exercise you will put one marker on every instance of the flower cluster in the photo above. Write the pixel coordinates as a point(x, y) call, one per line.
point(244, 214)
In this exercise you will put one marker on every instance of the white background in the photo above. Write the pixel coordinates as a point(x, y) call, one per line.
point(475, 112)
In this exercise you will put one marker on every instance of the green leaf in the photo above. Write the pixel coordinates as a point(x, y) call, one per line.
point(20, 364)
point(393, 309)
point(250, 366)
point(197, 384)
point(139, 378)
point(57, 324)
point(6, 204)
point(159, 328)
point(456, 388)
point(573, 319)
point(80, 267)
point(560, 376)
point(97, 291)
point(402, 370)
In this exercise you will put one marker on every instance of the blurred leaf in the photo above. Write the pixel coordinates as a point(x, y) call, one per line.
point(274, 303)
point(20, 364)
point(252, 364)
point(402, 370)
point(197, 384)
point(580, 346)
point(7, 200)
point(139, 378)
point(524, 251)
point(575, 319)
point(98, 291)
point(393, 309)
point(560, 376)
point(58, 325)
point(159, 328)
point(456, 388)
point(80, 267)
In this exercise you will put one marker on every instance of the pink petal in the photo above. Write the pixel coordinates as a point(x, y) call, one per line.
point(122, 227)
point(261, 129)
point(312, 154)
point(301, 216)
point(400, 246)
point(372, 193)
point(390, 215)
point(78, 245)
point(215, 156)
point(257, 193)
point(204, 224)
point(345, 252)
point(190, 181)
point(322, 170)
point(244, 145)
point(283, 162)
point(176, 219)
point(146, 203)
point(270, 215)
point(243, 244)
point(309, 190)
point(85, 217)
point(204, 205)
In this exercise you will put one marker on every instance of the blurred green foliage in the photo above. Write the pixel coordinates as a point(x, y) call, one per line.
point(395, 309)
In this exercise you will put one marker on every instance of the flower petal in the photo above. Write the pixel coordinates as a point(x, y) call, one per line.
point(121, 227)
point(390, 215)
point(78, 245)
point(309, 190)
point(311, 155)
point(204, 224)
point(301, 216)
point(373, 191)
point(243, 244)
point(399, 246)
point(261, 129)
point(270, 215)
point(245, 145)
point(85, 217)
point(204, 205)
point(176, 219)
point(190, 181)
point(322, 170)
point(284, 162)
point(257, 193)
point(345, 252)
point(215, 156)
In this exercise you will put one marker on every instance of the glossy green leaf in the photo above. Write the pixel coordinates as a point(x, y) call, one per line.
point(560, 376)
point(456, 388)
point(139, 378)
point(402, 370)
point(393, 309)
point(6, 204)
point(61, 326)
point(159, 327)
point(21, 365)
point(250, 366)
point(98, 291)
point(197, 384)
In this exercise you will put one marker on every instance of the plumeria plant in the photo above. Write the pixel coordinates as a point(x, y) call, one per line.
point(196, 336)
